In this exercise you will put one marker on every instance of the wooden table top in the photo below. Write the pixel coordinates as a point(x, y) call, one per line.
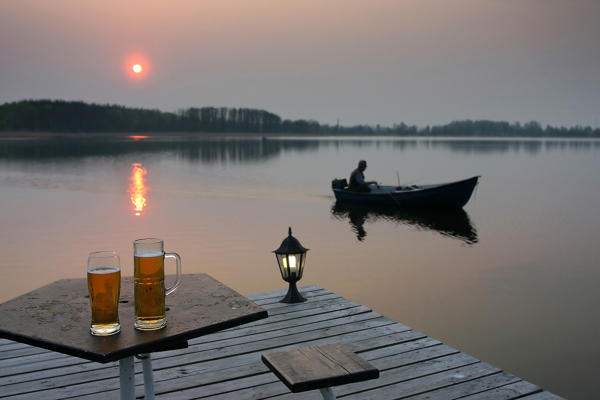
point(57, 317)
point(318, 367)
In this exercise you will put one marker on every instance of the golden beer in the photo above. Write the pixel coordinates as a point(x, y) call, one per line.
point(149, 283)
point(149, 290)
point(104, 287)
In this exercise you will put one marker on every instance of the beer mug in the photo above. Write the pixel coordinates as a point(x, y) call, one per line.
point(149, 283)
point(104, 287)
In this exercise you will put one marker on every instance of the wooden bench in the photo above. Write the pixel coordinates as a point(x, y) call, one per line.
point(319, 367)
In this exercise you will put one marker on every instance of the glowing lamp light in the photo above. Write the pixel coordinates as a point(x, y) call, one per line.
point(291, 257)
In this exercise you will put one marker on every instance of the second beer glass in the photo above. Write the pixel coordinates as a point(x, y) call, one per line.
point(149, 283)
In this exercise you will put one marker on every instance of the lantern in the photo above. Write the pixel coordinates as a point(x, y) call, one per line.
point(290, 257)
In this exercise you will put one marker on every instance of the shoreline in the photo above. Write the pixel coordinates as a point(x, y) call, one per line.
point(24, 135)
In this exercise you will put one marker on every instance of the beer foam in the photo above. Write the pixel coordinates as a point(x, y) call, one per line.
point(149, 253)
point(103, 270)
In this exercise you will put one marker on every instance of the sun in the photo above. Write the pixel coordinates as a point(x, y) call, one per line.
point(136, 66)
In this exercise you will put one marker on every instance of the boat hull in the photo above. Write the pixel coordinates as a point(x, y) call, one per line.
point(453, 195)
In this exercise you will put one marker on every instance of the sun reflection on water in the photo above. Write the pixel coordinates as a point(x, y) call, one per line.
point(137, 188)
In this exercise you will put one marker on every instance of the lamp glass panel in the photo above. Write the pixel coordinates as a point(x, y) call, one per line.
point(282, 261)
point(301, 264)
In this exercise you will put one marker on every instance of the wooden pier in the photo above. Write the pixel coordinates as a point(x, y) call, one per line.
point(227, 365)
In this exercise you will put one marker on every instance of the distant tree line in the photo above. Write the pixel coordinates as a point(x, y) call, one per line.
point(485, 128)
point(78, 117)
point(223, 119)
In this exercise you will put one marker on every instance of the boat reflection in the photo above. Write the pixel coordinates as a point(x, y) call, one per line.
point(137, 188)
point(451, 223)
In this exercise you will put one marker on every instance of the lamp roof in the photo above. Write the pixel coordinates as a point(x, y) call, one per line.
point(290, 245)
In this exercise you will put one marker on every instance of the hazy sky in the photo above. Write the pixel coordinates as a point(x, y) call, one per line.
point(370, 61)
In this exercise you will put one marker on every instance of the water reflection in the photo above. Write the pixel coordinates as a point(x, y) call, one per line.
point(199, 149)
point(137, 188)
point(451, 223)
point(250, 149)
point(471, 145)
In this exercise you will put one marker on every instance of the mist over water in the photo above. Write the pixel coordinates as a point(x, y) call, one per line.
point(511, 279)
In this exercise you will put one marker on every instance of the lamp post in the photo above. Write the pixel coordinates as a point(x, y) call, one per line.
point(290, 257)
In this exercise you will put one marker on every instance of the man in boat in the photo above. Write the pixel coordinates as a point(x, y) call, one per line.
point(357, 179)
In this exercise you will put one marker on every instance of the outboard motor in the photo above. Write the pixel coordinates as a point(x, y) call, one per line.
point(339, 184)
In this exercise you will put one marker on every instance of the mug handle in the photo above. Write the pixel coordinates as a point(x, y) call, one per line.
point(171, 289)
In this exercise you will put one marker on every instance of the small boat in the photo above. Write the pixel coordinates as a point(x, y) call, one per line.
point(452, 194)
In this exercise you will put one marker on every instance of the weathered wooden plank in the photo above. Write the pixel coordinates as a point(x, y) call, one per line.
point(410, 339)
point(19, 352)
point(412, 372)
point(310, 295)
point(222, 389)
point(104, 383)
point(543, 396)
point(401, 355)
point(325, 304)
point(353, 341)
point(10, 345)
point(283, 323)
point(62, 387)
point(231, 390)
point(427, 383)
point(343, 333)
point(266, 335)
point(37, 373)
point(279, 294)
point(475, 386)
point(196, 392)
point(165, 386)
point(313, 309)
point(47, 358)
point(312, 299)
point(513, 391)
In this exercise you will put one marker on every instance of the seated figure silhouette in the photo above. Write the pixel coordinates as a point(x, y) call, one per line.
point(357, 179)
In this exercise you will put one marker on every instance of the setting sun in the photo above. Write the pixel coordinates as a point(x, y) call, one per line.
point(137, 66)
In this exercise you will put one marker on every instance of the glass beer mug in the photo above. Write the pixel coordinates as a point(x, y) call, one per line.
point(104, 288)
point(149, 283)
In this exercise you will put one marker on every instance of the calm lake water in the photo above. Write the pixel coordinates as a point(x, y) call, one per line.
point(513, 280)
